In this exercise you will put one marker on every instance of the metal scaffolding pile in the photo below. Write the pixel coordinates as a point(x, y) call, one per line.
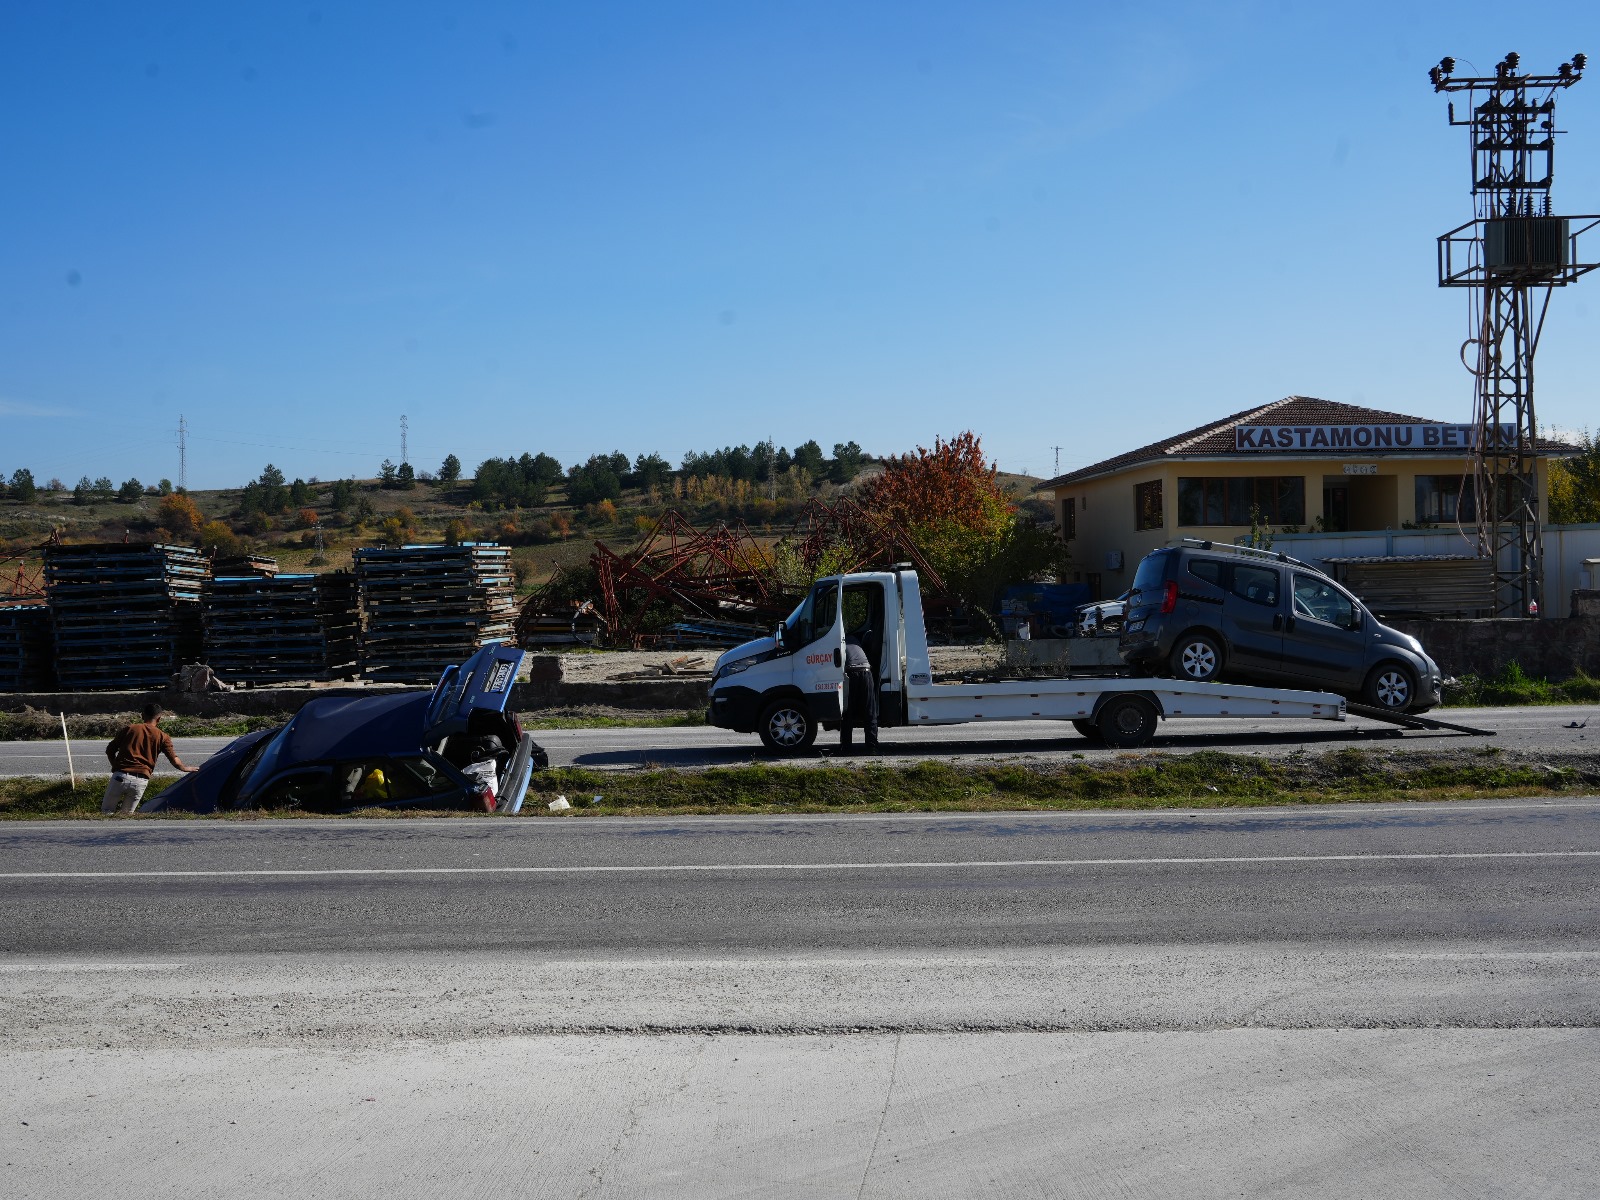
point(125, 614)
point(25, 646)
point(682, 586)
point(429, 607)
point(270, 628)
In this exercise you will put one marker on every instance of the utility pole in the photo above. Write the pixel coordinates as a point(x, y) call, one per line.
point(1057, 449)
point(183, 454)
point(1514, 247)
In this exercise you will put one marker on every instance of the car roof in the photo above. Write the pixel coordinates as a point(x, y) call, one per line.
point(344, 727)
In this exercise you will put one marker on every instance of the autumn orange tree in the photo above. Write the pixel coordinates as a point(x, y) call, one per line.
point(949, 500)
point(178, 514)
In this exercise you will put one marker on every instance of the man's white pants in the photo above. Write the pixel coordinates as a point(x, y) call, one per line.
point(123, 793)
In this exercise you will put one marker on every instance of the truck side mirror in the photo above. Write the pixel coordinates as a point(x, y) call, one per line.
point(777, 637)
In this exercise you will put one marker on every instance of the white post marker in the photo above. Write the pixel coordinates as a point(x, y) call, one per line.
point(71, 774)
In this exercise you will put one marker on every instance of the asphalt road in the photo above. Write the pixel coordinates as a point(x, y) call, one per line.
point(1351, 1000)
point(1528, 729)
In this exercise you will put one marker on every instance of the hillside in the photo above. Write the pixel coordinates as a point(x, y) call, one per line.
point(543, 536)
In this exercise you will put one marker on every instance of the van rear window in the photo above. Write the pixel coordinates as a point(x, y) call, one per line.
point(1151, 573)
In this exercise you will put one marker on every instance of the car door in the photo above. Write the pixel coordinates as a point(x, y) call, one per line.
point(1253, 617)
point(1323, 640)
point(819, 664)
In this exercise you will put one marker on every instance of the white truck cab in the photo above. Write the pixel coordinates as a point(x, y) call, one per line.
point(788, 686)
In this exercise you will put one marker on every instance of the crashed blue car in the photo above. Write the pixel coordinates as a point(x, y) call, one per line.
point(455, 747)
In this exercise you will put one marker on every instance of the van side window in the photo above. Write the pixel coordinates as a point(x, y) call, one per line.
point(1259, 585)
point(1208, 569)
point(1320, 600)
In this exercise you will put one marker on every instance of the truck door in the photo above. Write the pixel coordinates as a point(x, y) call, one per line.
point(819, 664)
point(1253, 617)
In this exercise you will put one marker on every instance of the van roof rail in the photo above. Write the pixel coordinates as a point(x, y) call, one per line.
point(1249, 551)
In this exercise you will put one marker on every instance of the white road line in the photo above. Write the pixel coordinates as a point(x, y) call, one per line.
point(15, 968)
point(712, 868)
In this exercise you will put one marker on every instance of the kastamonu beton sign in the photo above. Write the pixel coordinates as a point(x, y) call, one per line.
point(1406, 437)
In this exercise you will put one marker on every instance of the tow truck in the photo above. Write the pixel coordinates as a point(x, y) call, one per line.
point(787, 686)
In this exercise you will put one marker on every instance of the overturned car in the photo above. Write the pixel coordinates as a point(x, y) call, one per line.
point(455, 747)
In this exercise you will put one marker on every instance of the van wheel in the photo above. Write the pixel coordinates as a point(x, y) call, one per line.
point(787, 728)
point(1196, 657)
point(1127, 722)
point(1390, 686)
point(1087, 729)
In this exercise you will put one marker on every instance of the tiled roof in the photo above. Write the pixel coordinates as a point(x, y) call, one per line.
point(1217, 438)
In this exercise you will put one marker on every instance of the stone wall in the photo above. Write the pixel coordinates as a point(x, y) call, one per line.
point(1554, 648)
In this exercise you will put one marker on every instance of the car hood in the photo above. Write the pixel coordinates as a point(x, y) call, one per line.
point(202, 791)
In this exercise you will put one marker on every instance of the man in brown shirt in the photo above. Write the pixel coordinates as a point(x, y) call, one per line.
point(133, 754)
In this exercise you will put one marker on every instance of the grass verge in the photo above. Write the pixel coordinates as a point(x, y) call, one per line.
point(1136, 781)
point(1510, 686)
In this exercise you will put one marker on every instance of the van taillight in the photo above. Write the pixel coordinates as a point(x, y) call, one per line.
point(1169, 597)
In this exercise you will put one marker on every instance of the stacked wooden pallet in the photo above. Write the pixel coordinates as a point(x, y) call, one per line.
point(427, 607)
point(262, 628)
point(25, 646)
point(125, 615)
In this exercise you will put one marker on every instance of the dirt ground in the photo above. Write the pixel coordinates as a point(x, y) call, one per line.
point(601, 666)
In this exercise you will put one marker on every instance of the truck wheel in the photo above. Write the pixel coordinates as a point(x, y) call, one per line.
point(1390, 686)
point(1087, 729)
point(1196, 657)
point(1126, 722)
point(786, 727)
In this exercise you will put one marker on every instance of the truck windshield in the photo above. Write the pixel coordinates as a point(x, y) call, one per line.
point(813, 617)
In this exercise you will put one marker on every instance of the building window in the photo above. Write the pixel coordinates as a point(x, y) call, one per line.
point(1281, 500)
point(1437, 496)
point(1069, 517)
point(1147, 505)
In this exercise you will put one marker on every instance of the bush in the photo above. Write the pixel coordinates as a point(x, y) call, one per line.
point(179, 515)
point(219, 539)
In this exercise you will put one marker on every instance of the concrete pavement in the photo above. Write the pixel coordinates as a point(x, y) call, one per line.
point(1534, 729)
point(1351, 1000)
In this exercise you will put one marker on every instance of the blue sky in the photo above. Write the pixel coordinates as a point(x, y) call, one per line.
point(581, 227)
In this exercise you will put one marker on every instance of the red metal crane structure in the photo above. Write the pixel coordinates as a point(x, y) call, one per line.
point(720, 576)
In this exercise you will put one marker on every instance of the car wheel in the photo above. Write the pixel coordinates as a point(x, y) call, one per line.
point(787, 728)
point(1196, 657)
point(1087, 729)
point(1126, 722)
point(1390, 686)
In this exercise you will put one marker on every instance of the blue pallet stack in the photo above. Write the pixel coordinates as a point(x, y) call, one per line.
point(268, 628)
point(125, 615)
point(427, 607)
point(25, 647)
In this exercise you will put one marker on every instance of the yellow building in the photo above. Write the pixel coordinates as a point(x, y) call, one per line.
point(1305, 465)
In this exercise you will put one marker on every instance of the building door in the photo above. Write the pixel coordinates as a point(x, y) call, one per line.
point(1336, 508)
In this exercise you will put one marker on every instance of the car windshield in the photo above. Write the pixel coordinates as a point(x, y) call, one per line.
point(264, 760)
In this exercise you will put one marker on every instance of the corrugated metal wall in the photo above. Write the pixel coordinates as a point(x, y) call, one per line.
point(1426, 587)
